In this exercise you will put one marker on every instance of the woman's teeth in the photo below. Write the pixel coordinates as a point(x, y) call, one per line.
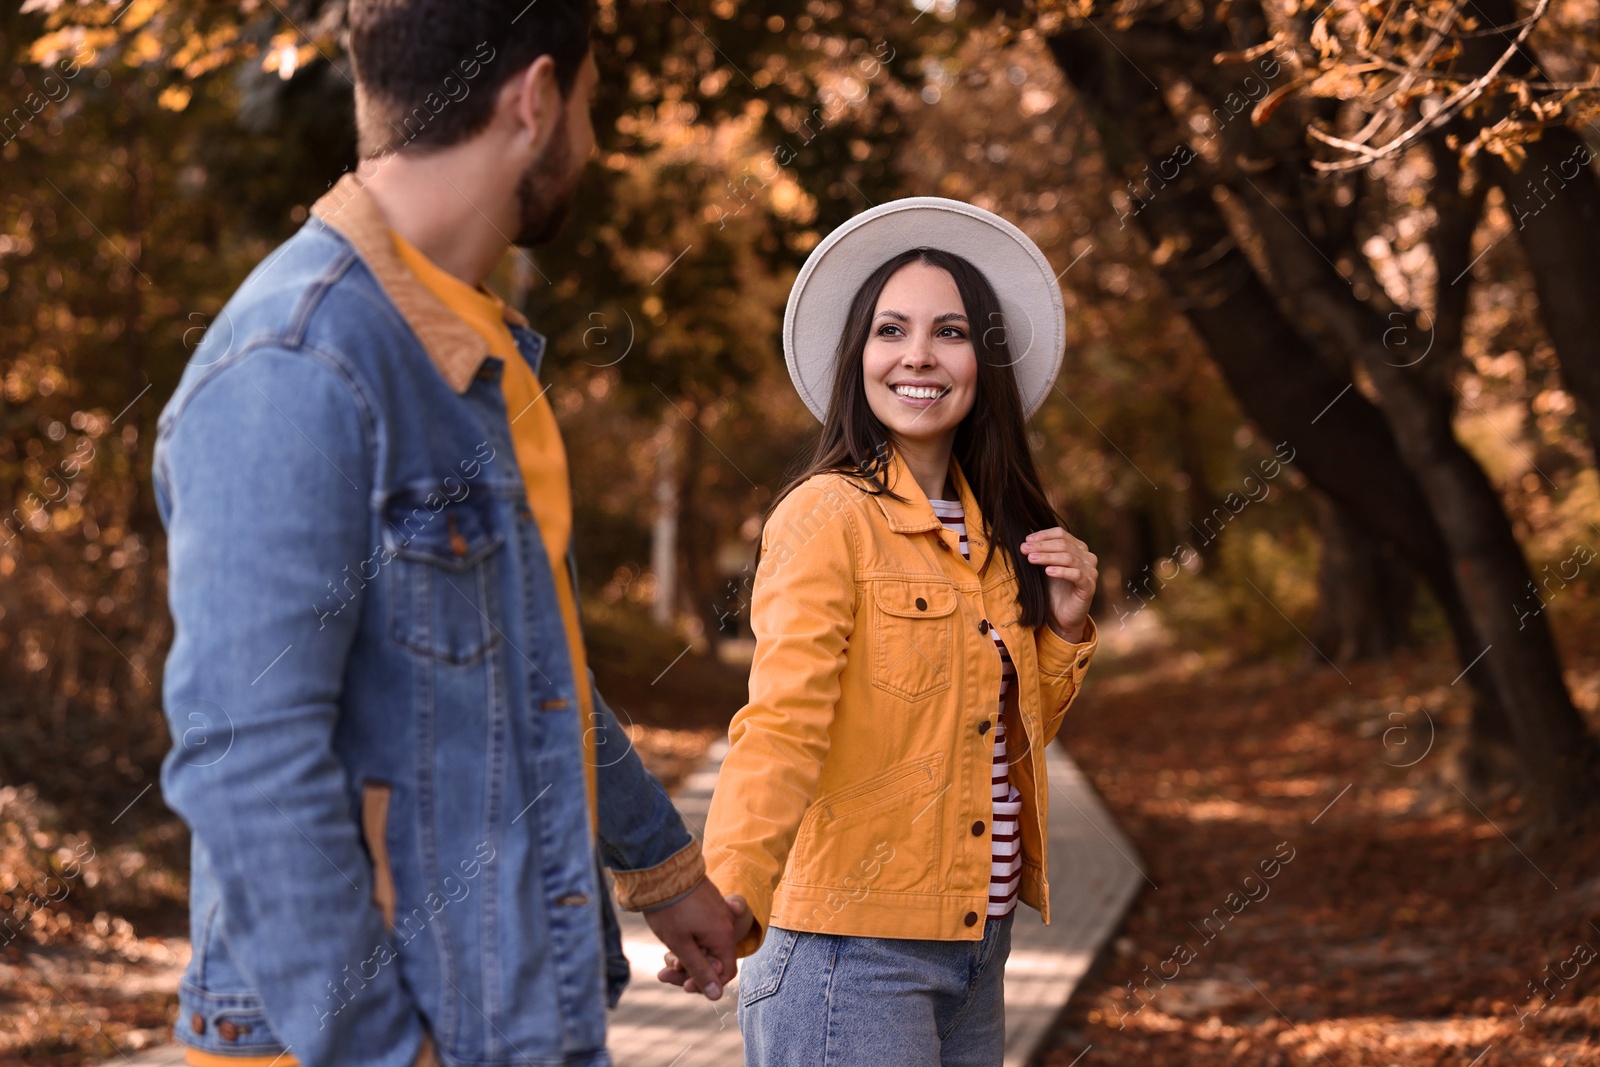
point(920, 392)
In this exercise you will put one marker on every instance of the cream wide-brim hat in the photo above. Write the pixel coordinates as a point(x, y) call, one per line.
point(1030, 299)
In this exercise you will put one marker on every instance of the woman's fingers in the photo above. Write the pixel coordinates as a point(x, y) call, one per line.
point(674, 974)
point(1060, 542)
point(1060, 558)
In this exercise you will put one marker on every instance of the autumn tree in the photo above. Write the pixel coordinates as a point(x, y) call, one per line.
point(1262, 149)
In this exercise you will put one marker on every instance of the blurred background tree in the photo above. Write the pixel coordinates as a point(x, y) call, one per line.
point(1220, 265)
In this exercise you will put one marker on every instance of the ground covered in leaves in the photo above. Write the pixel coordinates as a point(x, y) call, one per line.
point(1325, 886)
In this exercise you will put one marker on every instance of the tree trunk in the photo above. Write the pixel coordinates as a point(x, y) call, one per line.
point(664, 530)
point(1201, 498)
point(1365, 593)
point(1554, 202)
point(1557, 755)
point(1133, 540)
point(1342, 443)
point(698, 532)
point(1560, 235)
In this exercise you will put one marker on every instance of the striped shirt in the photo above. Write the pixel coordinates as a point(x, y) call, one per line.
point(1005, 870)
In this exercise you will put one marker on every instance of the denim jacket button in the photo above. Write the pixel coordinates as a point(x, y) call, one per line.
point(197, 1024)
point(458, 543)
point(227, 1031)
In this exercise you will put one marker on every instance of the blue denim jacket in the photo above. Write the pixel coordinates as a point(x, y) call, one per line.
point(377, 743)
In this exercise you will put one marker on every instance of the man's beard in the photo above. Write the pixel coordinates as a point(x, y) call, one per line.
point(545, 192)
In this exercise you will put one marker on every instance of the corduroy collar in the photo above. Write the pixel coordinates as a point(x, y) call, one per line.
point(454, 346)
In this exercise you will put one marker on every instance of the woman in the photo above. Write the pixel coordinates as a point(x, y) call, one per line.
point(921, 624)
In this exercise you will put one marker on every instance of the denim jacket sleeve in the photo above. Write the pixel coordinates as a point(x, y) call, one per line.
point(263, 477)
point(653, 857)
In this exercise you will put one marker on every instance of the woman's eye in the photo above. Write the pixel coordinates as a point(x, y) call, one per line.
point(888, 329)
point(953, 331)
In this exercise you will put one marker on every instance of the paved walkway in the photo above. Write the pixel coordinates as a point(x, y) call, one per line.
point(1094, 876)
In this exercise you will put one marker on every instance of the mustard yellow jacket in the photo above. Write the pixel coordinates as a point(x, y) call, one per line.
point(855, 796)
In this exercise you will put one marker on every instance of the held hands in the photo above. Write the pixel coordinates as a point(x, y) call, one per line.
point(1070, 577)
point(700, 931)
point(694, 981)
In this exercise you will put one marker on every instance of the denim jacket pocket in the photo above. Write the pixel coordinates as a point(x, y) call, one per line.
point(913, 628)
point(442, 574)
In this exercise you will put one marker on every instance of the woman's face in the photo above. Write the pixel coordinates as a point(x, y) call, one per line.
point(921, 368)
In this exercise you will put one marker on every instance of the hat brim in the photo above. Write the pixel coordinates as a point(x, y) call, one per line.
point(1030, 299)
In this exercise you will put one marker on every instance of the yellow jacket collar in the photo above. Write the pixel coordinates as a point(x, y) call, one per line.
point(915, 515)
point(454, 347)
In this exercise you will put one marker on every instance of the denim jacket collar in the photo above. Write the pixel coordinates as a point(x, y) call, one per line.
point(915, 515)
point(453, 346)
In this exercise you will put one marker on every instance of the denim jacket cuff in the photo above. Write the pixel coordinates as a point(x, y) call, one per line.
point(664, 883)
point(1062, 659)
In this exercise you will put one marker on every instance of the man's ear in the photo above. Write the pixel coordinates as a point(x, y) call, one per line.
point(533, 100)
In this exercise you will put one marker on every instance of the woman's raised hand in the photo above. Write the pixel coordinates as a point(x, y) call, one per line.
point(1070, 577)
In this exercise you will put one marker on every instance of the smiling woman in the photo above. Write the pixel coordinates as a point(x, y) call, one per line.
point(927, 362)
point(935, 568)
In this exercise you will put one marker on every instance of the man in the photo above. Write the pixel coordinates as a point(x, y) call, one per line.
point(385, 729)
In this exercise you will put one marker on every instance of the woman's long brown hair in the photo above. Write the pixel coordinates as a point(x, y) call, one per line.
point(991, 442)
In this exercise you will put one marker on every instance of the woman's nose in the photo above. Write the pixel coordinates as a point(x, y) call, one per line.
point(919, 353)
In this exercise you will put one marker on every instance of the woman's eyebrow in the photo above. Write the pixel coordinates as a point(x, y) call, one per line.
point(948, 316)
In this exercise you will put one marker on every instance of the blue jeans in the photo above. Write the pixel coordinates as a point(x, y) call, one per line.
point(829, 1000)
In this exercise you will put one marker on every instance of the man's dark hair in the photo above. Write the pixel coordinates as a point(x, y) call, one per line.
point(428, 71)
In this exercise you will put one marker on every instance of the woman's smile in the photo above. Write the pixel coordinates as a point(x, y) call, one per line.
point(920, 394)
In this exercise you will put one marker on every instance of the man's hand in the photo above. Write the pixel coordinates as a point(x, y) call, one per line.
point(699, 932)
point(675, 973)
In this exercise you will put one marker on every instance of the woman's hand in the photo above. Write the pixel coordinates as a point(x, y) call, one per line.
point(1070, 577)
